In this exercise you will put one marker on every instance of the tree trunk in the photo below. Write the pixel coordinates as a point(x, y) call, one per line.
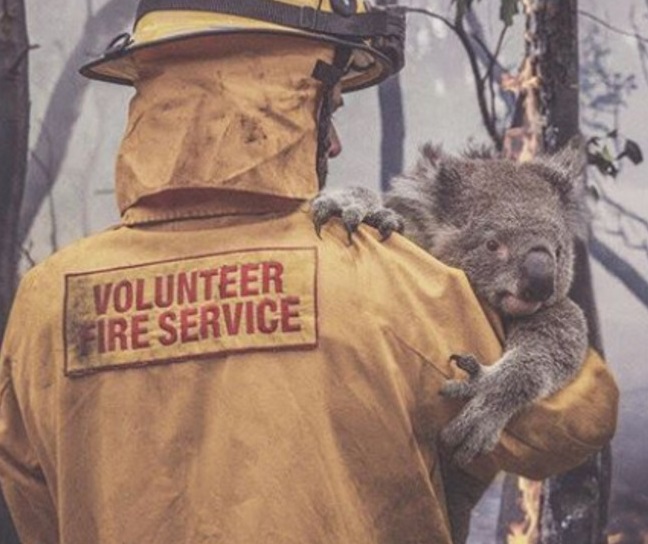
point(575, 503)
point(14, 129)
point(392, 121)
point(64, 108)
point(393, 131)
point(573, 506)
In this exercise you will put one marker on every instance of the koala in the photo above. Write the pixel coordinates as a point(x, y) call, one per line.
point(511, 228)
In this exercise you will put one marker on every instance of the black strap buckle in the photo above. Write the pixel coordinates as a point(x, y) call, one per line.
point(308, 18)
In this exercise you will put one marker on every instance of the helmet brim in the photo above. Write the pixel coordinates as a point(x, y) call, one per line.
point(367, 67)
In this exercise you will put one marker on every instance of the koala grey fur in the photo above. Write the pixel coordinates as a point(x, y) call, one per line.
point(511, 228)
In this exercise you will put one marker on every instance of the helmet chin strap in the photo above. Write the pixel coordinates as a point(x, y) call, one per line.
point(329, 75)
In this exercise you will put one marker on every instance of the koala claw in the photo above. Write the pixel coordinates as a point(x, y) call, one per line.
point(355, 206)
point(469, 364)
point(324, 208)
point(386, 221)
point(352, 216)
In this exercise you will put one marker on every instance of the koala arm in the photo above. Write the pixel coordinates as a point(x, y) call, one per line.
point(552, 435)
point(569, 422)
point(559, 432)
point(542, 353)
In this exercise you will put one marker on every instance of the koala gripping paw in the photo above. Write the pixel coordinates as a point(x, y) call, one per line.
point(355, 206)
point(464, 389)
point(476, 430)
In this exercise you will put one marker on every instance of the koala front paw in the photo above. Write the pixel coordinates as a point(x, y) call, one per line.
point(354, 206)
point(473, 432)
point(465, 389)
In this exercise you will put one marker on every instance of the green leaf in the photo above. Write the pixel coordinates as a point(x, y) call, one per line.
point(606, 154)
point(603, 162)
point(508, 8)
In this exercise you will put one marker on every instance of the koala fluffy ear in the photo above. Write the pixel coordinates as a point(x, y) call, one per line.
point(569, 163)
point(565, 170)
point(430, 193)
point(428, 162)
point(440, 172)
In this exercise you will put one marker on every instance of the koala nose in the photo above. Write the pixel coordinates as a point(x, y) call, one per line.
point(537, 283)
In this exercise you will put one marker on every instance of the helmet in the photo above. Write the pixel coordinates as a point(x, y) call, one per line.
point(372, 38)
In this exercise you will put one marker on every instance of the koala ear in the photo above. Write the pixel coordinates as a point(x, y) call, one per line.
point(428, 162)
point(569, 163)
point(474, 150)
point(440, 170)
point(565, 170)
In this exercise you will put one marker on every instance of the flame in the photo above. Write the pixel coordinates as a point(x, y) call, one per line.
point(620, 538)
point(527, 531)
point(524, 142)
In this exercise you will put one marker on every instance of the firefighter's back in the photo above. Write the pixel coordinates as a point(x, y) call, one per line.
point(247, 382)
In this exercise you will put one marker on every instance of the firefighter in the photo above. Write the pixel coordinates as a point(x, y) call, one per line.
point(212, 371)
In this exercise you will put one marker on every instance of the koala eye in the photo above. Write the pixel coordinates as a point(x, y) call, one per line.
point(558, 252)
point(492, 245)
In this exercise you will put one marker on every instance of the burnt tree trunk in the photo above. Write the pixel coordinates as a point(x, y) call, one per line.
point(392, 121)
point(573, 506)
point(14, 129)
point(392, 131)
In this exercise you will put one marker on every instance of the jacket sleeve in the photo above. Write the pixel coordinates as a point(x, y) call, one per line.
point(21, 477)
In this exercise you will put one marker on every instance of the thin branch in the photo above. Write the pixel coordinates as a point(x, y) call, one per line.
point(27, 255)
point(611, 27)
point(458, 29)
point(642, 50)
point(493, 56)
point(433, 15)
point(39, 162)
point(489, 75)
point(53, 223)
point(21, 57)
point(487, 117)
point(495, 70)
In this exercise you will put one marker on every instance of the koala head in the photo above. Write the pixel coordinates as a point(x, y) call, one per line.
point(509, 226)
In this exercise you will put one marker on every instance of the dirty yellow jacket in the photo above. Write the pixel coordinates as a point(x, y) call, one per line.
point(210, 371)
point(249, 382)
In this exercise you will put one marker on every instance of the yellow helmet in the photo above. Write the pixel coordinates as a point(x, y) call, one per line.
point(373, 38)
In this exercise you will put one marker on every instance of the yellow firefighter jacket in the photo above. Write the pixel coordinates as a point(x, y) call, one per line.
point(235, 379)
